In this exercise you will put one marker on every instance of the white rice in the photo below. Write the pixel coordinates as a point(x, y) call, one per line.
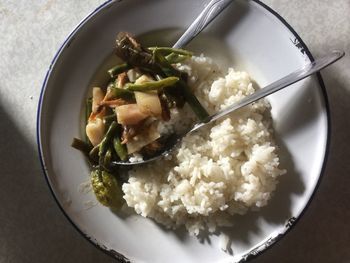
point(136, 157)
point(217, 172)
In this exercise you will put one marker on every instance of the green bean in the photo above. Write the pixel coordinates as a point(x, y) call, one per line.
point(165, 66)
point(174, 58)
point(148, 71)
point(81, 146)
point(122, 94)
point(120, 149)
point(93, 154)
point(106, 142)
point(169, 50)
point(194, 103)
point(107, 139)
point(116, 70)
point(153, 85)
point(175, 96)
point(109, 118)
point(107, 158)
point(190, 98)
point(172, 55)
point(154, 60)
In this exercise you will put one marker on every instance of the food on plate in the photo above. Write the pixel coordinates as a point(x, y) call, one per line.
point(229, 168)
point(106, 188)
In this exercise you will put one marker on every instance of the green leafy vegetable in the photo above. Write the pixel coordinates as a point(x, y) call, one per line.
point(106, 188)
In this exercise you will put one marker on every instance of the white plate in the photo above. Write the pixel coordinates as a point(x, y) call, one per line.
point(249, 36)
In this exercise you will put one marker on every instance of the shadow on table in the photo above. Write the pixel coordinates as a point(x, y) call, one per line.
point(32, 227)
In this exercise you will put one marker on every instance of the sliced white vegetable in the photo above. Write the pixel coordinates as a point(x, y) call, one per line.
point(144, 78)
point(97, 97)
point(129, 114)
point(132, 75)
point(108, 93)
point(95, 130)
point(149, 103)
point(136, 143)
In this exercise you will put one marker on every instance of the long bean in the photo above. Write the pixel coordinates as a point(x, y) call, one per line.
point(87, 149)
point(113, 72)
point(106, 142)
point(153, 85)
point(127, 50)
point(107, 158)
point(122, 94)
point(120, 149)
point(192, 100)
point(81, 146)
point(194, 103)
point(169, 50)
point(165, 66)
point(172, 55)
point(109, 118)
point(93, 154)
point(173, 58)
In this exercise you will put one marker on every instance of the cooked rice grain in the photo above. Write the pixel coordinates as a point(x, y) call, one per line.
point(217, 172)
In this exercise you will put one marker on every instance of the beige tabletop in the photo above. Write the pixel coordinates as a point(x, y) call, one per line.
point(33, 229)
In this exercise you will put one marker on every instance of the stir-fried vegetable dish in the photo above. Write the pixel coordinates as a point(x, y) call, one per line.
point(122, 118)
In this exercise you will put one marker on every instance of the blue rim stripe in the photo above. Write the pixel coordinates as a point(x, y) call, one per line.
point(245, 257)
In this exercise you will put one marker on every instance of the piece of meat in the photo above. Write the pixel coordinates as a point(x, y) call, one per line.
point(122, 79)
point(129, 50)
point(128, 133)
point(165, 107)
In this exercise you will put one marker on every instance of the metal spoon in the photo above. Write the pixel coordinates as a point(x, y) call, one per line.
point(213, 9)
point(286, 81)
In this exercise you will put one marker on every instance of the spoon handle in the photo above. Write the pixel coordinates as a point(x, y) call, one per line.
point(213, 8)
point(290, 79)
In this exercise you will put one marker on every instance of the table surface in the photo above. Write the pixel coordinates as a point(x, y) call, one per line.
point(33, 229)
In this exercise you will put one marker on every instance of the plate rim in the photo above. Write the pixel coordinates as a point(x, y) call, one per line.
point(258, 249)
